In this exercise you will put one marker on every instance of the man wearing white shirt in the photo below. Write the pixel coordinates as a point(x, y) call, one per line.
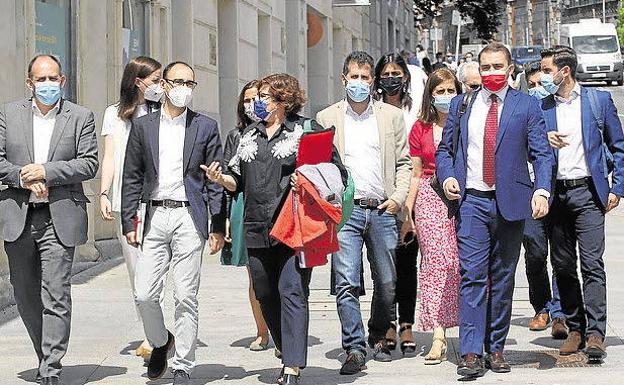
point(371, 139)
point(48, 147)
point(483, 166)
point(162, 169)
point(585, 130)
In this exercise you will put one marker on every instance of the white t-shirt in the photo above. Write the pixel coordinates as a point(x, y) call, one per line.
point(113, 125)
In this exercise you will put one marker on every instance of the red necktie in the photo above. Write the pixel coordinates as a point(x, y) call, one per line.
point(489, 143)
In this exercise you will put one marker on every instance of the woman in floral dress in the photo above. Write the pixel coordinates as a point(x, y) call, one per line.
point(438, 275)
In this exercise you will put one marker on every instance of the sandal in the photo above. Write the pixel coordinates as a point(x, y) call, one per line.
point(391, 337)
point(436, 357)
point(259, 344)
point(408, 345)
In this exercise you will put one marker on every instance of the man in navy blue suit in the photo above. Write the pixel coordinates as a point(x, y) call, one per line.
point(584, 128)
point(487, 173)
point(162, 169)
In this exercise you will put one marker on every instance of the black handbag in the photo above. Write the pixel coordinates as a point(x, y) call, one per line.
point(436, 185)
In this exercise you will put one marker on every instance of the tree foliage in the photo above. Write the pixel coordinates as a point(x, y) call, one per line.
point(620, 27)
point(486, 14)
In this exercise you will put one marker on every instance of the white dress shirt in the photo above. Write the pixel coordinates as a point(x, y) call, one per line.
point(363, 153)
point(171, 155)
point(476, 131)
point(571, 163)
point(43, 127)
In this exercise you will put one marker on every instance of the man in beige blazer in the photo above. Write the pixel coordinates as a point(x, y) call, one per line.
point(370, 136)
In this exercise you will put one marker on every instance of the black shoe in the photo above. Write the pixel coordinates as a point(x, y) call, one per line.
point(291, 379)
point(471, 366)
point(50, 381)
point(180, 377)
point(354, 363)
point(38, 378)
point(280, 378)
point(158, 362)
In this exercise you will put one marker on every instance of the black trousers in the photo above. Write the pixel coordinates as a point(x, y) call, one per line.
point(406, 284)
point(576, 217)
point(282, 288)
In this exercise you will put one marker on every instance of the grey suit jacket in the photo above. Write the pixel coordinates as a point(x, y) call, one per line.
point(72, 159)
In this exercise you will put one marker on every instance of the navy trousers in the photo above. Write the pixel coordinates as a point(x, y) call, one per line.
point(489, 249)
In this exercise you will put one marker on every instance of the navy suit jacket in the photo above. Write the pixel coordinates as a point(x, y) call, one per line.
point(202, 145)
point(592, 141)
point(521, 137)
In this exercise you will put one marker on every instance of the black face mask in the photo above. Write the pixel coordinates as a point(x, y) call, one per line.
point(391, 85)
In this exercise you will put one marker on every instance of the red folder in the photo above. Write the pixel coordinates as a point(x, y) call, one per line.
point(316, 147)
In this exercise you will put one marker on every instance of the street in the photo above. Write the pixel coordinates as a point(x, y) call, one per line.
point(105, 333)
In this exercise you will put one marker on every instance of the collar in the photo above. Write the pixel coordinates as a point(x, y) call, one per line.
point(485, 93)
point(53, 111)
point(180, 119)
point(367, 112)
point(288, 125)
point(576, 92)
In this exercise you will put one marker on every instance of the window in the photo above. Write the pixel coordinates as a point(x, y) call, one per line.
point(55, 35)
point(135, 29)
point(595, 44)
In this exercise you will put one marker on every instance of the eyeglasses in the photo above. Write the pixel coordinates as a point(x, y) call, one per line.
point(474, 86)
point(181, 82)
point(264, 96)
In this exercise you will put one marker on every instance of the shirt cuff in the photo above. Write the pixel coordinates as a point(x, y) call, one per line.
point(541, 192)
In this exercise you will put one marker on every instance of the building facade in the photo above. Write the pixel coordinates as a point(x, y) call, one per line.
point(228, 42)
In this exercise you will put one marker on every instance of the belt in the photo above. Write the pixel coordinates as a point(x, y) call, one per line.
point(38, 205)
point(571, 183)
point(481, 194)
point(367, 203)
point(170, 204)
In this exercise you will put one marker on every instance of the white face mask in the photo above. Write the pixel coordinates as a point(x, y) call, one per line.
point(154, 93)
point(180, 96)
point(251, 114)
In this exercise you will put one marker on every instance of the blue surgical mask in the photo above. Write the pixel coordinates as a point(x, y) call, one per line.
point(442, 103)
point(548, 82)
point(48, 92)
point(260, 109)
point(357, 90)
point(538, 92)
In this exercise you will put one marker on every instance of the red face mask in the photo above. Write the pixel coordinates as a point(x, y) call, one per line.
point(494, 82)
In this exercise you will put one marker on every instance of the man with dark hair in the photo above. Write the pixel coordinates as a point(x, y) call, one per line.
point(439, 61)
point(48, 147)
point(584, 128)
point(545, 302)
point(502, 130)
point(371, 140)
point(162, 170)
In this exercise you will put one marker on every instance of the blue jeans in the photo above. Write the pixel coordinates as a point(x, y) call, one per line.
point(536, 256)
point(378, 231)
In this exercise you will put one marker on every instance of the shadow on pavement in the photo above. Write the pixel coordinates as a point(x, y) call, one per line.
point(216, 373)
point(244, 342)
point(79, 374)
point(549, 342)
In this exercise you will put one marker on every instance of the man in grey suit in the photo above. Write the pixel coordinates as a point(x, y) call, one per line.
point(48, 147)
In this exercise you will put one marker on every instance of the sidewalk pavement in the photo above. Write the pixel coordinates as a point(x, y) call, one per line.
point(105, 333)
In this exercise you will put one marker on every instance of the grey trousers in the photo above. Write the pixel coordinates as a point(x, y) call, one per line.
point(171, 242)
point(40, 271)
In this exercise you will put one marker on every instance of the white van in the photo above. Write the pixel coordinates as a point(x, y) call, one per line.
point(598, 49)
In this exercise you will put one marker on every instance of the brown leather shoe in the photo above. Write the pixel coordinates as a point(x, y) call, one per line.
point(471, 366)
point(595, 349)
point(573, 344)
point(559, 330)
point(539, 322)
point(497, 363)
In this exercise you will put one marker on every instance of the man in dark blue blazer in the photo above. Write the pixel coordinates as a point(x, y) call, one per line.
point(487, 173)
point(584, 128)
point(162, 169)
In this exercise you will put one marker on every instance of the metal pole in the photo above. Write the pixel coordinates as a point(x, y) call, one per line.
point(457, 42)
point(604, 14)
